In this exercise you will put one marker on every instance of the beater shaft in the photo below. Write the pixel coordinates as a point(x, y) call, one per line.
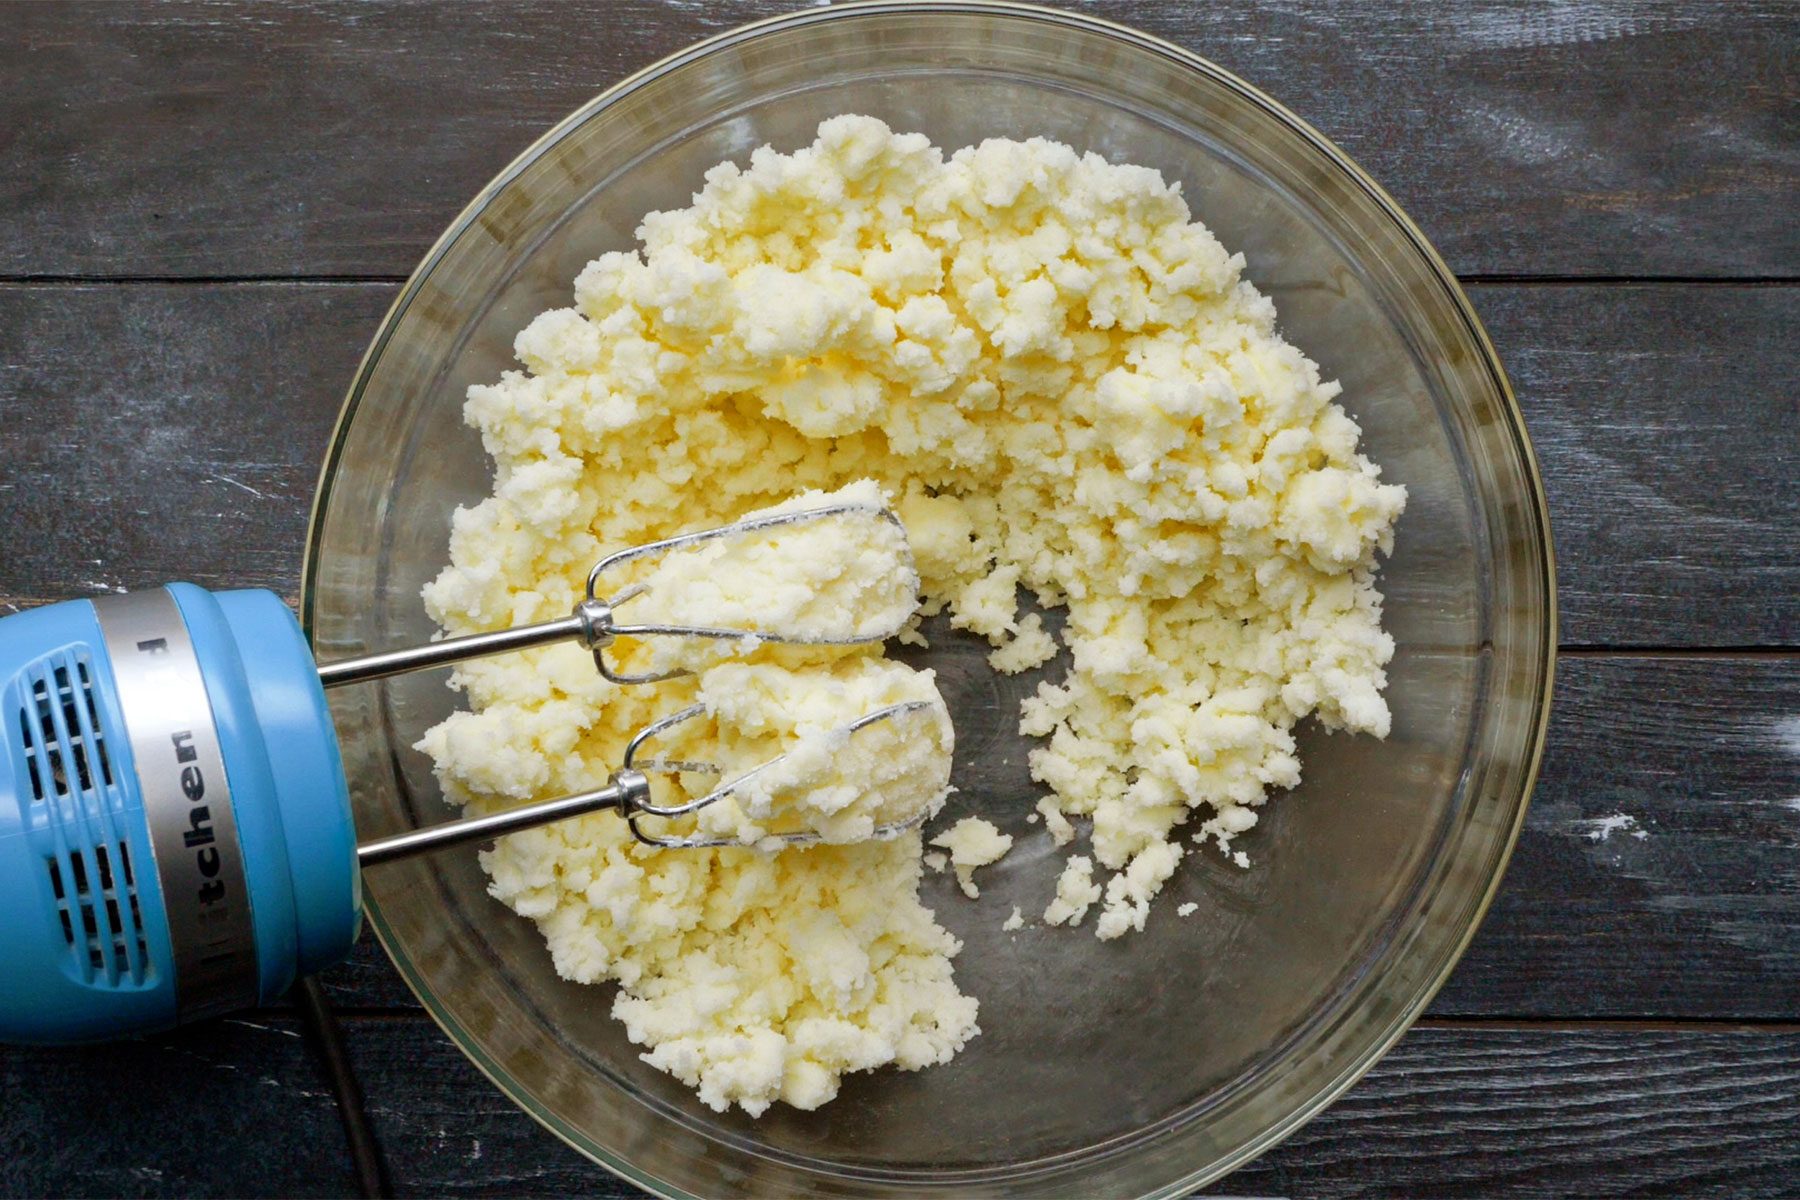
point(590, 624)
point(595, 626)
point(627, 790)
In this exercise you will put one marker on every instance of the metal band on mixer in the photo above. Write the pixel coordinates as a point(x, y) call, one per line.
point(187, 801)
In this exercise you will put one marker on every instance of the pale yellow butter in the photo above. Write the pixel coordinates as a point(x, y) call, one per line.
point(972, 842)
point(1068, 389)
point(843, 577)
point(784, 738)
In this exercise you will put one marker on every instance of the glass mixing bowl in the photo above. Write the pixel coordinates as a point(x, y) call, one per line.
point(1146, 1065)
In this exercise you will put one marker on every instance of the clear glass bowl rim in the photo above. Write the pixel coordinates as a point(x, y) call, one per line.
point(1349, 1072)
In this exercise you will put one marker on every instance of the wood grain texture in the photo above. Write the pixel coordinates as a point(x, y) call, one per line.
point(1658, 874)
point(1491, 1112)
point(229, 1108)
point(1666, 421)
point(201, 139)
point(167, 432)
point(1530, 1113)
point(161, 431)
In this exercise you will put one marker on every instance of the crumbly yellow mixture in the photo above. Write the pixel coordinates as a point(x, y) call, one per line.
point(1071, 393)
point(973, 842)
point(803, 763)
point(1076, 892)
point(845, 576)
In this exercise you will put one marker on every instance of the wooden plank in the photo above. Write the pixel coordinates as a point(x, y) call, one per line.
point(231, 1108)
point(367, 981)
point(1599, 138)
point(1524, 1112)
point(168, 432)
point(1493, 1112)
point(446, 1131)
point(173, 431)
point(1667, 423)
point(1659, 871)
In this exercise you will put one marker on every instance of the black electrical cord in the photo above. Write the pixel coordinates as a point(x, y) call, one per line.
point(327, 1042)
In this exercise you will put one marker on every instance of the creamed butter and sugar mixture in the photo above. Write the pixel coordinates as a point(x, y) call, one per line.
point(1072, 395)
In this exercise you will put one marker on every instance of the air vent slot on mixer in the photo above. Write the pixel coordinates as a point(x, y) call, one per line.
point(84, 740)
point(63, 740)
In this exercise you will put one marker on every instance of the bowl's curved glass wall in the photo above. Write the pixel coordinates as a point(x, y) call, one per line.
point(1104, 1068)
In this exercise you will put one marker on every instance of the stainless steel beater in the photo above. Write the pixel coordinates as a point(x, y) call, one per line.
point(594, 623)
point(628, 791)
point(177, 837)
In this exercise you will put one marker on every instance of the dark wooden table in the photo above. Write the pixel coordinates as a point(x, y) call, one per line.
point(205, 209)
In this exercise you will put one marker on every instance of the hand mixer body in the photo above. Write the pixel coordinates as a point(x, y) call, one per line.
point(175, 829)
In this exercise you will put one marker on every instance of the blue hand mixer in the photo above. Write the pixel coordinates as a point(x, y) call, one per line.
point(176, 837)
